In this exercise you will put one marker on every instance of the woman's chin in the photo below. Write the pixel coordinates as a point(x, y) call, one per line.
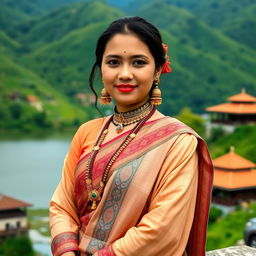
point(129, 104)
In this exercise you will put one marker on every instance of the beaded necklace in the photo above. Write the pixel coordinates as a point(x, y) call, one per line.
point(94, 194)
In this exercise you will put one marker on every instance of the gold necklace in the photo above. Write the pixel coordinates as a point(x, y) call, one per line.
point(94, 194)
point(122, 119)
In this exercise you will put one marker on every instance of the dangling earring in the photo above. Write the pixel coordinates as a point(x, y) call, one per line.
point(156, 98)
point(105, 97)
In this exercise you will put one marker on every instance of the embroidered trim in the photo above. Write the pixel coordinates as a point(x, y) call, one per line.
point(107, 251)
point(64, 242)
point(117, 138)
point(112, 205)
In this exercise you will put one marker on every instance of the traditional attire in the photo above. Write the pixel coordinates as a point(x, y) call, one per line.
point(156, 200)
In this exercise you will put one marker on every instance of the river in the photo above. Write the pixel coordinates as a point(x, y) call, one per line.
point(30, 169)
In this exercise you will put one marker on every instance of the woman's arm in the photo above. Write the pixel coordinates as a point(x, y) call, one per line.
point(64, 222)
point(165, 229)
point(69, 254)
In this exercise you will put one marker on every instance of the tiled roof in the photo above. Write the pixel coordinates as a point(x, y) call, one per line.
point(8, 203)
point(234, 108)
point(242, 97)
point(234, 179)
point(233, 161)
point(242, 103)
point(32, 98)
point(232, 171)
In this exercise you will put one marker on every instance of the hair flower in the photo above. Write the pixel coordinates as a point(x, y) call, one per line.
point(166, 67)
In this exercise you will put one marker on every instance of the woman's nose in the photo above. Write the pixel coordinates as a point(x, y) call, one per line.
point(125, 73)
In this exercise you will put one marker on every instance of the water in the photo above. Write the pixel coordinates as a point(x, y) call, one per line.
point(31, 169)
point(44, 249)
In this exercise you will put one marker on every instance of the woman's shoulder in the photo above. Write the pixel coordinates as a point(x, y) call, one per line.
point(92, 124)
point(90, 128)
point(181, 135)
point(176, 126)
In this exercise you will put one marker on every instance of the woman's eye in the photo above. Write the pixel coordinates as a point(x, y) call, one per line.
point(139, 62)
point(113, 62)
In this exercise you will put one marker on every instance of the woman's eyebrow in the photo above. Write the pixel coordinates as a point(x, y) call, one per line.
point(113, 56)
point(131, 57)
point(139, 56)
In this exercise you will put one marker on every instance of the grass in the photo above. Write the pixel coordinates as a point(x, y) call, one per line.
point(227, 231)
point(242, 139)
point(38, 220)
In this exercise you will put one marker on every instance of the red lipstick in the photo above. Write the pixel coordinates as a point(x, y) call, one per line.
point(126, 88)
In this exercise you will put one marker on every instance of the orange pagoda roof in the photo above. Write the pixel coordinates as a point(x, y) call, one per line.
point(231, 171)
point(233, 161)
point(242, 97)
point(234, 180)
point(8, 203)
point(241, 103)
point(237, 108)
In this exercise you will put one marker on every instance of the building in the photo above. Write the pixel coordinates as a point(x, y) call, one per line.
point(234, 179)
point(85, 99)
point(13, 216)
point(241, 109)
point(35, 102)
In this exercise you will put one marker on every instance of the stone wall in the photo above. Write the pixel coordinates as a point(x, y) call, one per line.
point(234, 251)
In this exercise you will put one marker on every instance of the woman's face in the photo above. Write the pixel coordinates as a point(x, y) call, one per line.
point(128, 71)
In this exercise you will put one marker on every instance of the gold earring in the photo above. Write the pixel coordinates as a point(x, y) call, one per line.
point(105, 97)
point(156, 98)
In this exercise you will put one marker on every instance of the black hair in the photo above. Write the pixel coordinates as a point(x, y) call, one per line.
point(147, 33)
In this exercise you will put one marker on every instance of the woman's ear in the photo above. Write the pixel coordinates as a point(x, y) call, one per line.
point(158, 73)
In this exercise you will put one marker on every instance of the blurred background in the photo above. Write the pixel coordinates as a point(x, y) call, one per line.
point(46, 54)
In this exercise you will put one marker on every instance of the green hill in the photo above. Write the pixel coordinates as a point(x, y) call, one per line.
point(205, 62)
point(77, 48)
point(10, 15)
point(205, 54)
point(213, 12)
point(7, 44)
point(58, 48)
point(242, 27)
point(58, 23)
point(16, 84)
point(49, 5)
point(242, 139)
point(233, 17)
point(35, 7)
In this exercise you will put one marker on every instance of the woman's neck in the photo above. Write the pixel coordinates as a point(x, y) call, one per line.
point(125, 108)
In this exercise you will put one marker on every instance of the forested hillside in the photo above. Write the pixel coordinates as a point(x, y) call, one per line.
point(17, 83)
point(47, 50)
point(234, 18)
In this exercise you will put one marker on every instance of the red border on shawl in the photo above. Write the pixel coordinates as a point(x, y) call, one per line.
point(64, 242)
point(118, 137)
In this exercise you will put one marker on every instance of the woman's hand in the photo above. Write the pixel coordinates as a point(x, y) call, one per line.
point(69, 254)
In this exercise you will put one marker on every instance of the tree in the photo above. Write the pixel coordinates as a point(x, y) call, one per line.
point(16, 110)
point(40, 119)
point(17, 246)
point(194, 121)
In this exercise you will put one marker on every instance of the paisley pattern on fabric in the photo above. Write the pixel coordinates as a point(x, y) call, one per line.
point(115, 196)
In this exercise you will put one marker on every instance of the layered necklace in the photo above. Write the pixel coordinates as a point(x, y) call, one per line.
point(122, 119)
point(94, 194)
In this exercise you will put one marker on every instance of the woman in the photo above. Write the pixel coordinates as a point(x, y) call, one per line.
point(137, 182)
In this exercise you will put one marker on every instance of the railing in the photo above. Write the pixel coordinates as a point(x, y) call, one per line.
point(234, 251)
point(13, 231)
